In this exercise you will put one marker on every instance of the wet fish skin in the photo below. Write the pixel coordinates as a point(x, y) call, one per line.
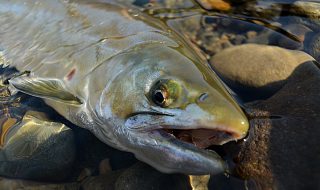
point(111, 58)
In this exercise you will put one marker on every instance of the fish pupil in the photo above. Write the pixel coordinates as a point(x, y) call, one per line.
point(158, 97)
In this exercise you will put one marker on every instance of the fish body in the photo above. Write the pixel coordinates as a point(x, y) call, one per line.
point(123, 75)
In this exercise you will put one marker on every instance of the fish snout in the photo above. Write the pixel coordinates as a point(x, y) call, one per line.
point(223, 117)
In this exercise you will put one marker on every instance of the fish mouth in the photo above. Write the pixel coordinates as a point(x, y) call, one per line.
point(184, 148)
point(202, 137)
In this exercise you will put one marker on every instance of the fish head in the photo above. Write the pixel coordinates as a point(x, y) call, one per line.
point(166, 108)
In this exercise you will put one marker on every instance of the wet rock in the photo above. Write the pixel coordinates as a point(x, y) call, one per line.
point(220, 5)
point(223, 182)
point(214, 39)
point(309, 9)
point(216, 43)
point(176, 4)
point(171, 4)
point(237, 26)
point(261, 9)
point(299, 30)
point(251, 34)
point(101, 182)
point(95, 155)
point(36, 149)
point(85, 173)
point(140, 3)
point(304, 12)
point(313, 46)
point(11, 184)
point(239, 39)
point(104, 167)
point(199, 182)
point(270, 65)
point(281, 151)
point(260, 38)
point(190, 25)
point(144, 177)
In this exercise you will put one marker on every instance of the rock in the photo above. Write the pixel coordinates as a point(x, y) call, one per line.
point(270, 65)
point(14, 184)
point(143, 177)
point(104, 167)
point(251, 34)
point(176, 4)
point(307, 13)
point(101, 182)
point(260, 9)
point(140, 3)
point(92, 154)
point(313, 46)
point(85, 173)
point(199, 182)
point(223, 182)
point(309, 9)
point(261, 38)
point(281, 151)
point(220, 5)
point(298, 30)
point(36, 149)
point(171, 4)
point(239, 39)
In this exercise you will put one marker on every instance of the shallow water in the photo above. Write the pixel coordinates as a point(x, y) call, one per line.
point(289, 24)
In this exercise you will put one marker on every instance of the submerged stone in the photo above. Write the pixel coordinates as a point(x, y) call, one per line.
point(270, 66)
point(281, 150)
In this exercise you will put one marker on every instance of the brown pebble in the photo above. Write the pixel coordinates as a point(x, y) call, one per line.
point(199, 182)
point(251, 34)
point(273, 65)
point(215, 4)
point(104, 167)
point(86, 172)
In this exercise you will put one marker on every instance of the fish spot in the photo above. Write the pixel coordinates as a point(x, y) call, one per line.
point(71, 74)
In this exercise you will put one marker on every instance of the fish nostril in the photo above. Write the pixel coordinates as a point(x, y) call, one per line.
point(203, 97)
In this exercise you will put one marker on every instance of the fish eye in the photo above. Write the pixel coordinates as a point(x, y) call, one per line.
point(159, 97)
point(165, 93)
point(159, 93)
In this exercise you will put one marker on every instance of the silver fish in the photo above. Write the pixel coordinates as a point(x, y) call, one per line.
point(123, 75)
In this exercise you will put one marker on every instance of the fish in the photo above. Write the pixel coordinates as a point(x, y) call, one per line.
point(125, 76)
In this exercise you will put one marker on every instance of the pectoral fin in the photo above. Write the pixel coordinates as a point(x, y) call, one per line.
point(44, 88)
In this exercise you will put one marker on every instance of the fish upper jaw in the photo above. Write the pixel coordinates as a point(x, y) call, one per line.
point(193, 125)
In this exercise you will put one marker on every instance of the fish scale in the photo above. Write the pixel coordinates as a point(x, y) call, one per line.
point(40, 33)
